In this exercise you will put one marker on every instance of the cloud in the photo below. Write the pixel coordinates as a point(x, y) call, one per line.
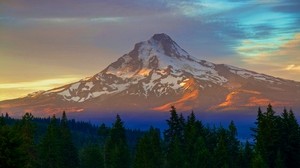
point(79, 8)
point(288, 6)
point(61, 37)
point(18, 89)
point(279, 59)
point(293, 67)
point(38, 85)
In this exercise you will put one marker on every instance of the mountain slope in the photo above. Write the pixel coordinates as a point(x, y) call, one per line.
point(156, 74)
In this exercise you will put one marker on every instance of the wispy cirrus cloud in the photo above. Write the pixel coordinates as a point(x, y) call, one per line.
point(40, 85)
point(284, 57)
point(17, 89)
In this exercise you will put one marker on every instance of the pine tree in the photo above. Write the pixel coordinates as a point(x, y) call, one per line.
point(175, 157)
point(278, 161)
point(11, 154)
point(221, 152)
point(246, 156)
point(69, 155)
point(174, 137)
point(103, 132)
point(290, 139)
point(202, 157)
point(116, 148)
point(149, 152)
point(91, 156)
point(257, 161)
point(175, 127)
point(26, 129)
point(233, 145)
point(50, 152)
point(191, 135)
point(267, 135)
point(2, 121)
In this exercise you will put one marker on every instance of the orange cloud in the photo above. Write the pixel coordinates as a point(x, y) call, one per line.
point(18, 89)
point(281, 59)
point(293, 67)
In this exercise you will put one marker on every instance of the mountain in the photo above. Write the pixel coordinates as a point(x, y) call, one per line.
point(156, 74)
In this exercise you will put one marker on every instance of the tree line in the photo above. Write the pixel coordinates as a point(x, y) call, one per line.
point(185, 143)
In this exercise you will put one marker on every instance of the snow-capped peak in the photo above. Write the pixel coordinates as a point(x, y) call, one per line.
point(168, 46)
point(160, 53)
point(158, 73)
point(158, 66)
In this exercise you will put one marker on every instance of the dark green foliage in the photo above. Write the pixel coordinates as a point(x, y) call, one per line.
point(45, 142)
point(37, 142)
point(91, 156)
point(103, 132)
point(50, 152)
point(174, 138)
point(278, 138)
point(245, 155)
point(193, 132)
point(149, 151)
point(26, 129)
point(221, 152)
point(202, 157)
point(11, 154)
point(57, 149)
point(69, 155)
point(175, 128)
point(258, 162)
point(267, 135)
point(116, 149)
point(2, 121)
point(278, 161)
point(233, 145)
point(290, 139)
point(175, 155)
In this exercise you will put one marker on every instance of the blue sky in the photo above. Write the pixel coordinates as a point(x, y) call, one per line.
point(65, 40)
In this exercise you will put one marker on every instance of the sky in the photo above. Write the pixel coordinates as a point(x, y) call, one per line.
point(46, 44)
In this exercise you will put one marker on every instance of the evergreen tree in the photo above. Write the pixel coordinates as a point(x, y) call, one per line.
point(181, 127)
point(257, 161)
point(2, 121)
point(50, 152)
point(202, 157)
point(246, 156)
point(103, 132)
point(290, 139)
point(91, 157)
point(211, 137)
point(233, 145)
point(191, 135)
point(175, 127)
point(11, 155)
point(149, 152)
point(26, 129)
point(175, 157)
point(69, 155)
point(221, 152)
point(267, 135)
point(279, 162)
point(174, 137)
point(116, 148)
